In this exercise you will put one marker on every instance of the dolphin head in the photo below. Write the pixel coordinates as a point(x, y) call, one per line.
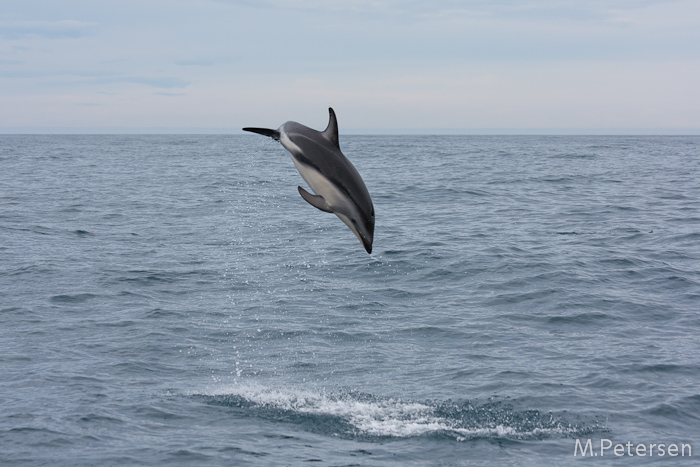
point(361, 223)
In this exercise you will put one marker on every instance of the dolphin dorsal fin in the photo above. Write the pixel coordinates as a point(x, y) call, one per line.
point(331, 131)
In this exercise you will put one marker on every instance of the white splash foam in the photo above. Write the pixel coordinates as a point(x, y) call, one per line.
point(380, 417)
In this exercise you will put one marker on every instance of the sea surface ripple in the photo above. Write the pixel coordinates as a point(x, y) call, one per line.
point(172, 300)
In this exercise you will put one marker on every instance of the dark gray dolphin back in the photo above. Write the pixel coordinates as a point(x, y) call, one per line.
point(323, 154)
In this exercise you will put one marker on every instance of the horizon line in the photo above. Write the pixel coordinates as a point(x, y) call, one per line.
point(632, 131)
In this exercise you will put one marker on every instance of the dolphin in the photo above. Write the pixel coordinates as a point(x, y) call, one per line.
point(337, 185)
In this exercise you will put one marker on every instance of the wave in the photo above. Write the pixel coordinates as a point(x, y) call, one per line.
point(360, 415)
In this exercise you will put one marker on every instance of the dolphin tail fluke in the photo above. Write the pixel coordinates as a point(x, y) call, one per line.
point(331, 131)
point(274, 134)
point(315, 200)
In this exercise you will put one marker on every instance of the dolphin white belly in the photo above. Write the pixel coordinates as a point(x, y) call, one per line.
point(321, 185)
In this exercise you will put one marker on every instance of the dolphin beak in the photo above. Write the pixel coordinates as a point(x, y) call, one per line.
point(368, 245)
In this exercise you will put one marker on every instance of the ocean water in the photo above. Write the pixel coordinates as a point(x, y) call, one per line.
point(173, 300)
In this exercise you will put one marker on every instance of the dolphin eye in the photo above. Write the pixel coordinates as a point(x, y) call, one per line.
point(354, 221)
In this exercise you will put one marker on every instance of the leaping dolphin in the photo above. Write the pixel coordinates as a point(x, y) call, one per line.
point(338, 186)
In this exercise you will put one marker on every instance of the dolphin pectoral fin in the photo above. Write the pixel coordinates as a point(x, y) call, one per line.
point(274, 134)
point(315, 200)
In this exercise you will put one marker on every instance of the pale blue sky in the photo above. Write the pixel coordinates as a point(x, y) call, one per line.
point(186, 65)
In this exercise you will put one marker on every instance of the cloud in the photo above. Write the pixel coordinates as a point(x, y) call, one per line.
point(448, 9)
point(25, 74)
point(156, 82)
point(386, 63)
point(65, 29)
point(196, 62)
point(207, 62)
point(166, 82)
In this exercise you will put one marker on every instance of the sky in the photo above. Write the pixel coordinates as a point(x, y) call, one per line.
point(392, 66)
